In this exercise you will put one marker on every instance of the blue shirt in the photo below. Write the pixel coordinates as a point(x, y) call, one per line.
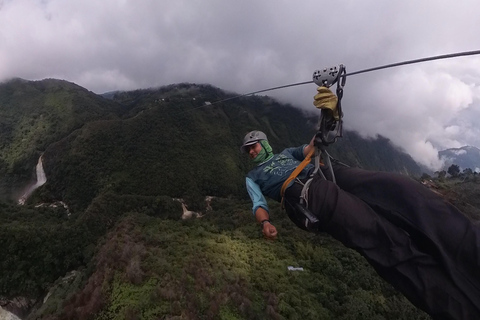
point(268, 177)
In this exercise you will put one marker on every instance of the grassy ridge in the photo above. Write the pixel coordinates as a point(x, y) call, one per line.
point(219, 267)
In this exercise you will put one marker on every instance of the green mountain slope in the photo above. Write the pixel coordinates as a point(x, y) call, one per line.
point(118, 162)
point(34, 114)
point(151, 266)
point(170, 143)
point(374, 154)
point(142, 137)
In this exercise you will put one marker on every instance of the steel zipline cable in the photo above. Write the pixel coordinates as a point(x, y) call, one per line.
point(445, 56)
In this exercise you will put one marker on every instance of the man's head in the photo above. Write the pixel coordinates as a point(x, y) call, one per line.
point(251, 139)
point(256, 145)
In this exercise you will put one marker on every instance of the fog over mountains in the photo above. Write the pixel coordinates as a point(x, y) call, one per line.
point(465, 157)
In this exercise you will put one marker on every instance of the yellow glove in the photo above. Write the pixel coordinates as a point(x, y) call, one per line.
point(326, 99)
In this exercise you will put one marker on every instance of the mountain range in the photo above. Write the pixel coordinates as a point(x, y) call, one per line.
point(104, 237)
point(145, 135)
point(465, 157)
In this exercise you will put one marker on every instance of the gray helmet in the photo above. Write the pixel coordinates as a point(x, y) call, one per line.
point(252, 138)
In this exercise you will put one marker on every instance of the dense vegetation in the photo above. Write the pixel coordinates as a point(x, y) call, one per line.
point(461, 189)
point(167, 139)
point(34, 114)
point(38, 245)
point(121, 250)
point(152, 265)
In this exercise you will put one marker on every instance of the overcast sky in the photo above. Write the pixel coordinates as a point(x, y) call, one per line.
point(249, 45)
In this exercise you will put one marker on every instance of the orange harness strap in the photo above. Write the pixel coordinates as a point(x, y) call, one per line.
point(296, 172)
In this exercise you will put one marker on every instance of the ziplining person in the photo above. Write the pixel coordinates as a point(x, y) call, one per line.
point(422, 245)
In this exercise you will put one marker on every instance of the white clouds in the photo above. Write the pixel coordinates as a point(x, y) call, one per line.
point(100, 77)
point(459, 152)
point(245, 46)
point(414, 108)
point(425, 154)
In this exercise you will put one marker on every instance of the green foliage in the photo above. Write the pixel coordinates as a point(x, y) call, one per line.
point(462, 190)
point(373, 154)
point(209, 268)
point(34, 114)
point(425, 176)
point(150, 142)
point(105, 210)
point(441, 174)
point(38, 246)
point(63, 289)
point(169, 143)
point(453, 170)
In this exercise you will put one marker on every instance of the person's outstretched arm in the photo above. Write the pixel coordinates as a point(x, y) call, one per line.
point(260, 209)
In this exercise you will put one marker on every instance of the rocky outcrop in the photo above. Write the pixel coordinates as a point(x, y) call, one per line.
point(18, 307)
point(56, 204)
point(187, 214)
point(5, 315)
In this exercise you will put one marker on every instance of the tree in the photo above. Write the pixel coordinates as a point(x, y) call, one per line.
point(441, 174)
point(453, 170)
point(425, 176)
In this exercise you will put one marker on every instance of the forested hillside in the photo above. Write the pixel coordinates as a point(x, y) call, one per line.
point(33, 115)
point(120, 249)
point(170, 143)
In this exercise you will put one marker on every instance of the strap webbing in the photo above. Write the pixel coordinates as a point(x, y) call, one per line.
point(296, 172)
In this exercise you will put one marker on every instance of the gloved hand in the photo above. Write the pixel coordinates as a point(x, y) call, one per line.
point(326, 99)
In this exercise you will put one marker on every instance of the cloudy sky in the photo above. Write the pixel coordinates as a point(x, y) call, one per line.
point(249, 45)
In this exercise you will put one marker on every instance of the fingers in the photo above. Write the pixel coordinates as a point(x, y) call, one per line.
point(269, 231)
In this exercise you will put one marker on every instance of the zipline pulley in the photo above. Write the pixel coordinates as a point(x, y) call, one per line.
point(328, 122)
point(331, 120)
point(328, 76)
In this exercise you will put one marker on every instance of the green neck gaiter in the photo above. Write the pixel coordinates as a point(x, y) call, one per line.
point(265, 154)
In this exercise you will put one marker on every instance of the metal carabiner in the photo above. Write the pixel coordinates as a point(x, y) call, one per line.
point(341, 76)
point(341, 79)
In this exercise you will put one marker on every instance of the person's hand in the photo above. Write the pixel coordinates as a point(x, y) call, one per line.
point(326, 99)
point(269, 230)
